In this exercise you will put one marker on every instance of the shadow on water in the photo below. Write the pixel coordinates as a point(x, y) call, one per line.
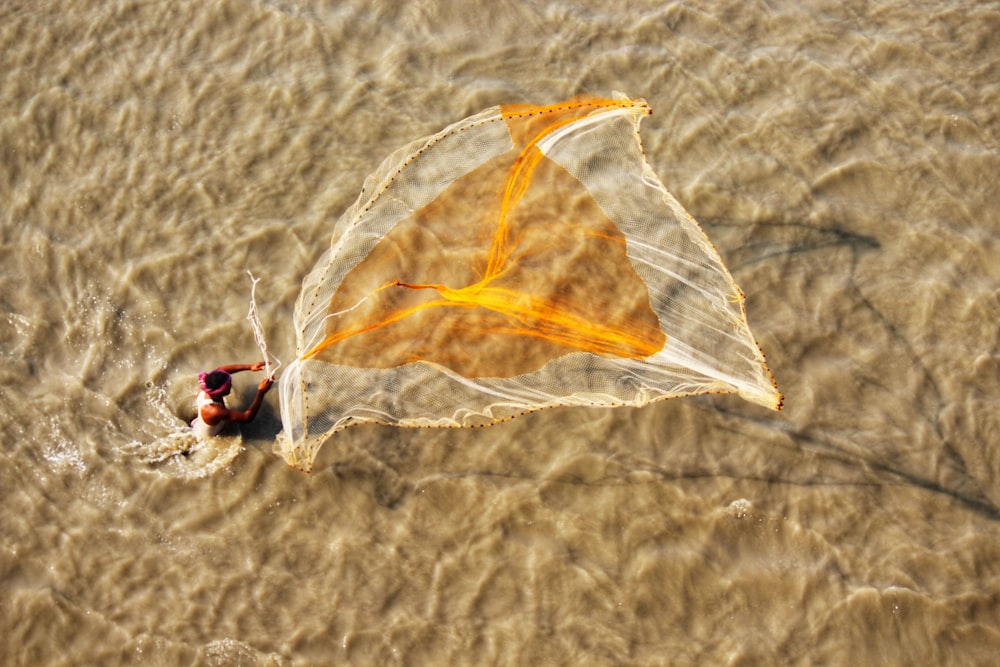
point(860, 470)
point(776, 239)
point(882, 379)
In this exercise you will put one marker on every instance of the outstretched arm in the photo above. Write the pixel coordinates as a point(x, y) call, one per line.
point(236, 368)
point(214, 413)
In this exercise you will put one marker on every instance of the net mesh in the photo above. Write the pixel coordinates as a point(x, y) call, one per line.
point(523, 258)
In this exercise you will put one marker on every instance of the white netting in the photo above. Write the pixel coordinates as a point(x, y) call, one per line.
point(524, 258)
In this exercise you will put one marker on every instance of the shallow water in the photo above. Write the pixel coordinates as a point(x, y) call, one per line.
point(842, 156)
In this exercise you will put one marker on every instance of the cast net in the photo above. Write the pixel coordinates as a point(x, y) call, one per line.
point(523, 258)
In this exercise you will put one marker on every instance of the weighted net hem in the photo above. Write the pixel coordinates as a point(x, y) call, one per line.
point(523, 259)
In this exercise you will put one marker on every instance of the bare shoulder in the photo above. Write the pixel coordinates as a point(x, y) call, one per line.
point(213, 413)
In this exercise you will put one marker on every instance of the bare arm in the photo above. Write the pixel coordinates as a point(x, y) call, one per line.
point(214, 413)
point(236, 368)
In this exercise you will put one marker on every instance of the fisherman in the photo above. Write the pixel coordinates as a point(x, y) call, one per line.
point(213, 414)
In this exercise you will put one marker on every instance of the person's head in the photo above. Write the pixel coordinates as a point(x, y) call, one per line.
point(216, 384)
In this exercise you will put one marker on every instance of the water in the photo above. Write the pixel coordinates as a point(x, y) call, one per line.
point(841, 155)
